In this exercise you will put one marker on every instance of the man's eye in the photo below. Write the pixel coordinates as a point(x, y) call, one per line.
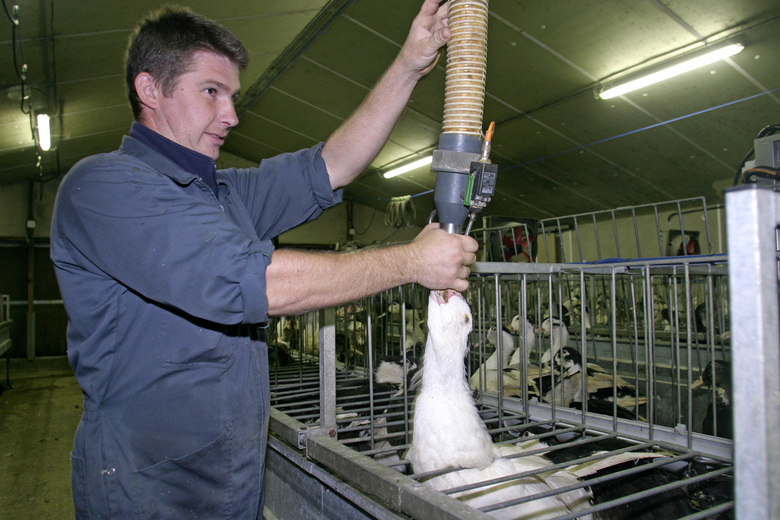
point(211, 91)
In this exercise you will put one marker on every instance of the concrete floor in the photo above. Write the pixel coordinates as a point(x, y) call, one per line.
point(38, 418)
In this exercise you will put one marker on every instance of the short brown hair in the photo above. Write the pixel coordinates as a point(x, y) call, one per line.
point(164, 42)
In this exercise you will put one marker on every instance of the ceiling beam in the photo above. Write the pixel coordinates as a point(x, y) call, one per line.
point(327, 15)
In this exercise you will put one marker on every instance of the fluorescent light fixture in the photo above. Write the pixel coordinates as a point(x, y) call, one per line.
point(419, 163)
point(674, 70)
point(44, 137)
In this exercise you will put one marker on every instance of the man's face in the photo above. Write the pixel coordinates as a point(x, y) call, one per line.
point(199, 110)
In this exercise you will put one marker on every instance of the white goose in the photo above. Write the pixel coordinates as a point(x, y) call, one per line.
point(486, 378)
point(525, 342)
point(449, 433)
point(559, 338)
point(487, 373)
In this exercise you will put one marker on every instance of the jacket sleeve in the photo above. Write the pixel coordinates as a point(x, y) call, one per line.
point(285, 191)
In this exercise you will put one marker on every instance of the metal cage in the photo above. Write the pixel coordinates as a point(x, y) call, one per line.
point(655, 324)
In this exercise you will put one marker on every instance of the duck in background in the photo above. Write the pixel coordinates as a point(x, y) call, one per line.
point(720, 319)
point(382, 434)
point(540, 378)
point(526, 340)
point(558, 333)
point(278, 355)
point(393, 318)
point(716, 377)
point(389, 374)
point(573, 313)
point(522, 341)
point(486, 376)
point(602, 388)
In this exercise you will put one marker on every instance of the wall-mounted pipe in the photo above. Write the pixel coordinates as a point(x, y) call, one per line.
point(460, 143)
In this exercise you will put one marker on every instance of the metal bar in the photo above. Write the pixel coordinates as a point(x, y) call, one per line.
point(636, 233)
point(499, 348)
point(752, 219)
point(684, 246)
point(696, 264)
point(390, 487)
point(544, 237)
point(635, 350)
point(638, 496)
point(709, 513)
point(328, 369)
point(598, 480)
point(613, 304)
point(658, 230)
point(579, 241)
point(370, 344)
point(584, 348)
point(715, 447)
point(649, 324)
point(560, 240)
point(706, 225)
point(331, 485)
point(615, 231)
point(711, 344)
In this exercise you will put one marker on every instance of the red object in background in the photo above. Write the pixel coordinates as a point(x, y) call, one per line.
point(691, 248)
point(515, 243)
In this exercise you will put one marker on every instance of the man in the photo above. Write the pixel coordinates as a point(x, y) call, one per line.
point(166, 269)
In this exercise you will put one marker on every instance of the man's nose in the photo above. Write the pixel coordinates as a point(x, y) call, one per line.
point(229, 116)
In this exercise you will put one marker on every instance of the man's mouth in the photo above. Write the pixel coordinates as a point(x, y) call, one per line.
point(219, 137)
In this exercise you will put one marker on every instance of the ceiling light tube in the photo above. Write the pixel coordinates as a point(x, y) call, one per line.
point(674, 70)
point(419, 163)
point(44, 136)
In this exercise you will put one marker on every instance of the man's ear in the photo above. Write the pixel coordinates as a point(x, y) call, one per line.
point(147, 89)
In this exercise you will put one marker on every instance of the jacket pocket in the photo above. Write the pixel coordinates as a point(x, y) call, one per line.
point(196, 485)
point(185, 341)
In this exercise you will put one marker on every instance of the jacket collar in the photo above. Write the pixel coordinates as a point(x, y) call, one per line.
point(163, 164)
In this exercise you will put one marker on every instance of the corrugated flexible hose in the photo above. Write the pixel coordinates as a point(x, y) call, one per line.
point(464, 92)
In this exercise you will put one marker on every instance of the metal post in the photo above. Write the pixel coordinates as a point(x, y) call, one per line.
point(328, 371)
point(751, 222)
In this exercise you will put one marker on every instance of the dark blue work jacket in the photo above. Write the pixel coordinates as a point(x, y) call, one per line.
point(164, 287)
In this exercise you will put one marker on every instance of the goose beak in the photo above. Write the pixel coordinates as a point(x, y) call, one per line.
point(444, 296)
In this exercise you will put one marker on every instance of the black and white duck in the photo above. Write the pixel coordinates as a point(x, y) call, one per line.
point(717, 378)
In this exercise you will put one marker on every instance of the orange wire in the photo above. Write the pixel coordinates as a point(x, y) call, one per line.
point(759, 169)
point(489, 133)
